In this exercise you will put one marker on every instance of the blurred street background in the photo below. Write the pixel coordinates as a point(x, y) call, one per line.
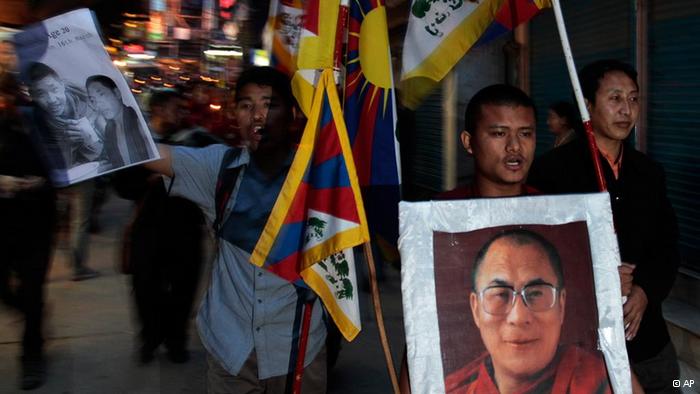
point(91, 332)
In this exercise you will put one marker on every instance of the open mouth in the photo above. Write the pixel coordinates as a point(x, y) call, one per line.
point(258, 133)
point(623, 125)
point(514, 163)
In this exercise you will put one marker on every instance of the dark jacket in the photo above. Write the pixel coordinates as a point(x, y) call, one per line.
point(135, 140)
point(645, 223)
point(34, 209)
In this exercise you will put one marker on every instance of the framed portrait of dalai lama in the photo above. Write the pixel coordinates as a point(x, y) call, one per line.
point(513, 295)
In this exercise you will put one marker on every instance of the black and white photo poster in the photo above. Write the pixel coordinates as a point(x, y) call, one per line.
point(84, 116)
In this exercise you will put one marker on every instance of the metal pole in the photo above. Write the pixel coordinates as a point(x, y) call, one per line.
point(585, 116)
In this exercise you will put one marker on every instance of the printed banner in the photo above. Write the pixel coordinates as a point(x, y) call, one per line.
point(316, 49)
point(520, 292)
point(84, 115)
point(439, 33)
point(284, 24)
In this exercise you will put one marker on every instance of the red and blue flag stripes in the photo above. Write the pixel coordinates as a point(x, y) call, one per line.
point(325, 188)
point(319, 211)
point(511, 14)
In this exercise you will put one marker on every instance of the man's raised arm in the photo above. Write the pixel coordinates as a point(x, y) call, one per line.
point(164, 165)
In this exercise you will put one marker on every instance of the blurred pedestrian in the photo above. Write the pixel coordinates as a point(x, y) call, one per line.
point(186, 133)
point(198, 102)
point(563, 121)
point(77, 201)
point(165, 243)
point(27, 209)
point(99, 197)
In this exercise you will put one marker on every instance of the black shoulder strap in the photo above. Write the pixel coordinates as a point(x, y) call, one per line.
point(225, 183)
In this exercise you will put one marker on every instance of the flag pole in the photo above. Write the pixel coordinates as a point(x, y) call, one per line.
point(341, 36)
point(585, 116)
point(306, 320)
point(339, 56)
point(341, 33)
point(303, 339)
point(376, 301)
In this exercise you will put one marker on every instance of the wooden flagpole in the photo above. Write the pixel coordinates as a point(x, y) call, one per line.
point(376, 301)
point(585, 116)
point(341, 38)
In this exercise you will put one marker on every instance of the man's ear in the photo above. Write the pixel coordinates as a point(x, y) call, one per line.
point(466, 141)
point(474, 303)
point(589, 106)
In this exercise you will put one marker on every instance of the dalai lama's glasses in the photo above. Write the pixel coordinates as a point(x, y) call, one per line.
point(499, 300)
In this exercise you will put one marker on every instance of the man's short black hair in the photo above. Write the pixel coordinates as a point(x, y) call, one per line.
point(38, 71)
point(267, 76)
point(501, 95)
point(160, 98)
point(102, 80)
point(521, 236)
point(591, 74)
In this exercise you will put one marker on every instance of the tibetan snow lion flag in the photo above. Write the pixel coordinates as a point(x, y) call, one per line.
point(370, 115)
point(316, 48)
point(319, 214)
point(440, 32)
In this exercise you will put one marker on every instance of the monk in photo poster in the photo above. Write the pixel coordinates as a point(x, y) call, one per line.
point(521, 315)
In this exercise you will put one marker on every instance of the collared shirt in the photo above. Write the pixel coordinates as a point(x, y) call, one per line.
point(614, 162)
point(245, 308)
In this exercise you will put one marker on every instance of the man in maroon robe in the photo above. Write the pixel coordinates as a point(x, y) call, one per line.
point(518, 303)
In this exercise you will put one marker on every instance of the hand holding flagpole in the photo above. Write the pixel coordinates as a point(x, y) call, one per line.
point(585, 116)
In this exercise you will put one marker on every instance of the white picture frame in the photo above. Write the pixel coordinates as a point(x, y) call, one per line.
point(420, 221)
